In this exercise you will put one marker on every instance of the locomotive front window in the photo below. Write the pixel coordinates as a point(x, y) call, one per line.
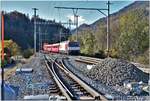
point(73, 44)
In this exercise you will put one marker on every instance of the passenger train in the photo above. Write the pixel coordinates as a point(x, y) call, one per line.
point(67, 47)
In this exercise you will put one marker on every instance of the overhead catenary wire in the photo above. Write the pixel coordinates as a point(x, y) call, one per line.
point(101, 10)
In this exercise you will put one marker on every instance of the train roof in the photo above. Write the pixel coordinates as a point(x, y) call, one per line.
point(68, 41)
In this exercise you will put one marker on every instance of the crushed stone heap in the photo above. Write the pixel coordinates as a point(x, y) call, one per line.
point(116, 71)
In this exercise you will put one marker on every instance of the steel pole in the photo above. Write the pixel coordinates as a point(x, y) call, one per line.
point(2, 68)
point(76, 16)
point(39, 39)
point(60, 34)
point(69, 27)
point(35, 30)
point(108, 29)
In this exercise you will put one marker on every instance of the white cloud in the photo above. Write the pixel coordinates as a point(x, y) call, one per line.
point(81, 20)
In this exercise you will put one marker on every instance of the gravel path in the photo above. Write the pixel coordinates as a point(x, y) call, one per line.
point(33, 83)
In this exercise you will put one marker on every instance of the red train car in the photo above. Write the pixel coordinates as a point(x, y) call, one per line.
point(55, 48)
point(51, 48)
point(63, 47)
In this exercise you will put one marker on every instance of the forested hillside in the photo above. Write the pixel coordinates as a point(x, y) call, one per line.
point(129, 34)
point(19, 28)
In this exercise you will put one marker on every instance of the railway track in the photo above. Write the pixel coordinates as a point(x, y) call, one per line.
point(87, 60)
point(83, 59)
point(56, 88)
point(70, 85)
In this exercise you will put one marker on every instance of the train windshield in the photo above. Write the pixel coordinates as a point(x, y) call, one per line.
point(73, 44)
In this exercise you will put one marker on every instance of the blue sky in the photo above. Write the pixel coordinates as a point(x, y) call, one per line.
point(47, 10)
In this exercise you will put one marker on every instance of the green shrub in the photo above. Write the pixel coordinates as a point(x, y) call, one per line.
point(3, 64)
point(113, 53)
point(100, 54)
point(27, 53)
point(142, 59)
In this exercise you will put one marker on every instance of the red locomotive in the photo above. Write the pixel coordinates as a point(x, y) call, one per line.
point(66, 47)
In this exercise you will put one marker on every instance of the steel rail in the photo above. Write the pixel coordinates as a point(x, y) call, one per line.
point(61, 81)
point(60, 85)
point(53, 70)
point(86, 61)
point(93, 92)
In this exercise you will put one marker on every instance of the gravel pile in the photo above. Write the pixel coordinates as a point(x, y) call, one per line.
point(115, 71)
point(95, 84)
point(117, 91)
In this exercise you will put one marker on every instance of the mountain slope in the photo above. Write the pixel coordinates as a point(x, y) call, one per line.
point(116, 15)
point(129, 34)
